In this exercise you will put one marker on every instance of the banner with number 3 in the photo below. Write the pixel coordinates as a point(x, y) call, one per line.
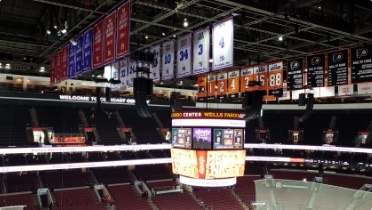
point(184, 56)
point(201, 48)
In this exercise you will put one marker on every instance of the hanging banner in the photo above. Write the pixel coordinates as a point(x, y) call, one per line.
point(184, 56)
point(87, 50)
point(361, 68)
point(168, 60)
point(222, 84)
point(202, 87)
point(53, 62)
point(64, 63)
point(295, 74)
point(71, 61)
point(132, 69)
point(58, 67)
point(344, 90)
point(155, 66)
point(123, 30)
point(201, 46)
point(212, 85)
point(109, 40)
point(246, 76)
point(364, 88)
point(223, 44)
point(338, 67)
point(275, 72)
point(98, 45)
point(123, 65)
point(315, 70)
point(233, 83)
point(260, 75)
point(79, 56)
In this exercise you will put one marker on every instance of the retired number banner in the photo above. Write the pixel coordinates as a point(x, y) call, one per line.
point(168, 60)
point(110, 26)
point(201, 50)
point(223, 44)
point(155, 66)
point(184, 56)
point(123, 30)
point(98, 45)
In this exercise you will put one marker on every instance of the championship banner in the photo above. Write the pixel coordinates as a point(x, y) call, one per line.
point(58, 67)
point(275, 76)
point(155, 66)
point(168, 60)
point(361, 68)
point(338, 68)
point(123, 66)
point(53, 61)
point(87, 50)
point(223, 44)
point(132, 69)
point(64, 63)
point(246, 76)
point(79, 56)
point(109, 40)
point(233, 83)
point(295, 79)
point(71, 61)
point(98, 45)
point(222, 84)
point(201, 46)
point(212, 84)
point(184, 56)
point(344, 90)
point(123, 30)
point(315, 70)
point(202, 87)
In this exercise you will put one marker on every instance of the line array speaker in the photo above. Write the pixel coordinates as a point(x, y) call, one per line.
point(142, 87)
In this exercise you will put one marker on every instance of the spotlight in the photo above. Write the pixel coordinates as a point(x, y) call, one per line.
point(185, 23)
point(146, 37)
point(73, 42)
point(64, 31)
point(48, 32)
point(55, 26)
point(163, 34)
point(280, 38)
point(211, 60)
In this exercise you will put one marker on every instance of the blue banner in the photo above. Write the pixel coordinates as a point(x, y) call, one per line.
point(71, 61)
point(87, 49)
point(79, 56)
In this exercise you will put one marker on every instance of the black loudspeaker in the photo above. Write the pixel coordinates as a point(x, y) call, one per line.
point(99, 104)
point(248, 98)
point(108, 94)
point(309, 108)
point(140, 91)
point(255, 101)
point(301, 99)
point(149, 87)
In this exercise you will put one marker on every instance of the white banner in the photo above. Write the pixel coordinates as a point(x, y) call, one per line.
point(168, 60)
point(327, 91)
point(123, 63)
point(296, 93)
point(115, 70)
point(132, 69)
point(201, 48)
point(286, 95)
point(223, 44)
point(155, 66)
point(364, 88)
point(208, 182)
point(344, 90)
point(184, 56)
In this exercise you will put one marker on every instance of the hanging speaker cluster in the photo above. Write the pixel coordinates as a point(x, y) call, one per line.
point(253, 104)
point(309, 107)
point(142, 87)
point(99, 104)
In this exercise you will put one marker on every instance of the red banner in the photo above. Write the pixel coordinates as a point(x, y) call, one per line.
point(58, 67)
point(64, 63)
point(110, 26)
point(53, 69)
point(98, 45)
point(123, 30)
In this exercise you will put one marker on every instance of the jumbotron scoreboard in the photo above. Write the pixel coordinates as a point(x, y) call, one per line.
point(208, 147)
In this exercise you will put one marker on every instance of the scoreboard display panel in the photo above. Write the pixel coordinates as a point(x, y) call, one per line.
point(315, 70)
point(222, 84)
point(295, 74)
point(275, 76)
point(224, 138)
point(181, 137)
point(233, 83)
point(211, 82)
point(361, 68)
point(338, 64)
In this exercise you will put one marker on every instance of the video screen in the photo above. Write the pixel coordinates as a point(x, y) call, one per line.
point(295, 136)
point(228, 138)
point(181, 137)
point(330, 136)
point(262, 135)
point(362, 139)
point(202, 138)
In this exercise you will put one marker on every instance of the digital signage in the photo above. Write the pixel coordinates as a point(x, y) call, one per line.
point(202, 138)
point(228, 138)
point(181, 137)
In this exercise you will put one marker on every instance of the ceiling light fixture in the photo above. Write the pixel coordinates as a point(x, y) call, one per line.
point(163, 34)
point(146, 37)
point(280, 38)
point(48, 32)
point(185, 23)
point(64, 31)
point(55, 26)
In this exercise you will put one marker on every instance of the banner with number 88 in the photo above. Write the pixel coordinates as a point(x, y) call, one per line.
point(275, 76)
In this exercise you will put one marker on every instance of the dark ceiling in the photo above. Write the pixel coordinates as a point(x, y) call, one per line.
point(308, 26)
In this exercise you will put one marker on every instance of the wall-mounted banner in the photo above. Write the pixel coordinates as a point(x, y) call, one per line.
point(223, 44)
point(168, 60)
point(58, 67)
point(222, 84)
point(123, 30)
point(53, 62)
point(246, 75)
point(295, 79)
point(87, 50)
point(361, 58)
point(201, 51)
point(327, 91)
point(315, 70)
point(184, 56)
point(79, 56)
point(98, 45)
point(344, 90)
point(338, 65)
point(155, 66)
point(64, 63)
point(71, 61)
point(233, 83)
point(364, 88)
point(123, 66)
point(212, 85)
point(275, 75)
point(109, 50)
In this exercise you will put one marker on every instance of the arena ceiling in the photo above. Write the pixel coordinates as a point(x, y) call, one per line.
point(307, 26)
